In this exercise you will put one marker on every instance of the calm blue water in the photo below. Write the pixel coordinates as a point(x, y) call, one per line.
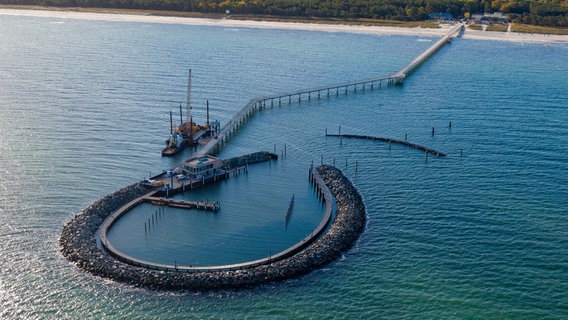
point(480, 234)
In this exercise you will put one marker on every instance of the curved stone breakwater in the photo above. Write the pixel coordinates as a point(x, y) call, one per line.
point(79, 245)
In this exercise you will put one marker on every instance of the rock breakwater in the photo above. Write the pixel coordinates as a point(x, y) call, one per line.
point(252, 158)
point(79, 245)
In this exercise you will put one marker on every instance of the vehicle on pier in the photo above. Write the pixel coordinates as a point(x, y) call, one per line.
point(150, 183)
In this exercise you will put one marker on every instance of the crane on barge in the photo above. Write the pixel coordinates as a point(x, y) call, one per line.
point(188, 133)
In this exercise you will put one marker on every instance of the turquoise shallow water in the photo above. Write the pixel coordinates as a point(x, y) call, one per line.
point(480, 234)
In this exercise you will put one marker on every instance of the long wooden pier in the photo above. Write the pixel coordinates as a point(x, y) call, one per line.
point(409, 68)
point(259, 103)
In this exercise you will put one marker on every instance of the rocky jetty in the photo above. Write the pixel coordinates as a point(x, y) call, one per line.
point(79, 245)
point(252, 158)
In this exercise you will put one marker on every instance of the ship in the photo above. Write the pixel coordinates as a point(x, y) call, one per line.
point(175, 143)
point(188, 133)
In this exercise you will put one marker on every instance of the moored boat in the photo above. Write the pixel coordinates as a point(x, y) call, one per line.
point(175, 143)
point(188, 133)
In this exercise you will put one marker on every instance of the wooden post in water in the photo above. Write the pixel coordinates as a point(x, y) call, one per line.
point(356, 165)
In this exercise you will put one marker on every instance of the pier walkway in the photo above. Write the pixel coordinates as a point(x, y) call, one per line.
point(259, 103)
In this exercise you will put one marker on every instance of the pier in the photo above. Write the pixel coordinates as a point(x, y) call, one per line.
point(260, 103)
point(83, 237)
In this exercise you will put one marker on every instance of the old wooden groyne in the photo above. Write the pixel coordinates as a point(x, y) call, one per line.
point(389, 141)
point(259, 103)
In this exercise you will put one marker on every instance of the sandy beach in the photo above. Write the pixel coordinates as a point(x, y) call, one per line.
point(230, 23)
point(515, 36)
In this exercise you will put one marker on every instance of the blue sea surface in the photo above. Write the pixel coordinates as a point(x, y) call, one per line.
point(479, 234)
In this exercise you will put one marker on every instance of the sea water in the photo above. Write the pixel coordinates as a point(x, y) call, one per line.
point(480, 233)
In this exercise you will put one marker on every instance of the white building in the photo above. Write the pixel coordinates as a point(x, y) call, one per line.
point(203, 166)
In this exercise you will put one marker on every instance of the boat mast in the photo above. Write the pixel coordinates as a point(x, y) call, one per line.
point(189, 97)
point(171, 124)
point(190, 130)
point(207, 114)
point(180, 116)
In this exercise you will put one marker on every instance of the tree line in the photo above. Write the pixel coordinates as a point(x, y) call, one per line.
point(552, 13)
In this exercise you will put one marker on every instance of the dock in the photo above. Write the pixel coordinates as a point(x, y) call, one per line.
point(183, 204)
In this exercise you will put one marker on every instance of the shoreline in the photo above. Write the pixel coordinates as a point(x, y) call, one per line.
point(148, 17)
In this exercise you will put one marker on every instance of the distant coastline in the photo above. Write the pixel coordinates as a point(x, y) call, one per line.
point(211, 20)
